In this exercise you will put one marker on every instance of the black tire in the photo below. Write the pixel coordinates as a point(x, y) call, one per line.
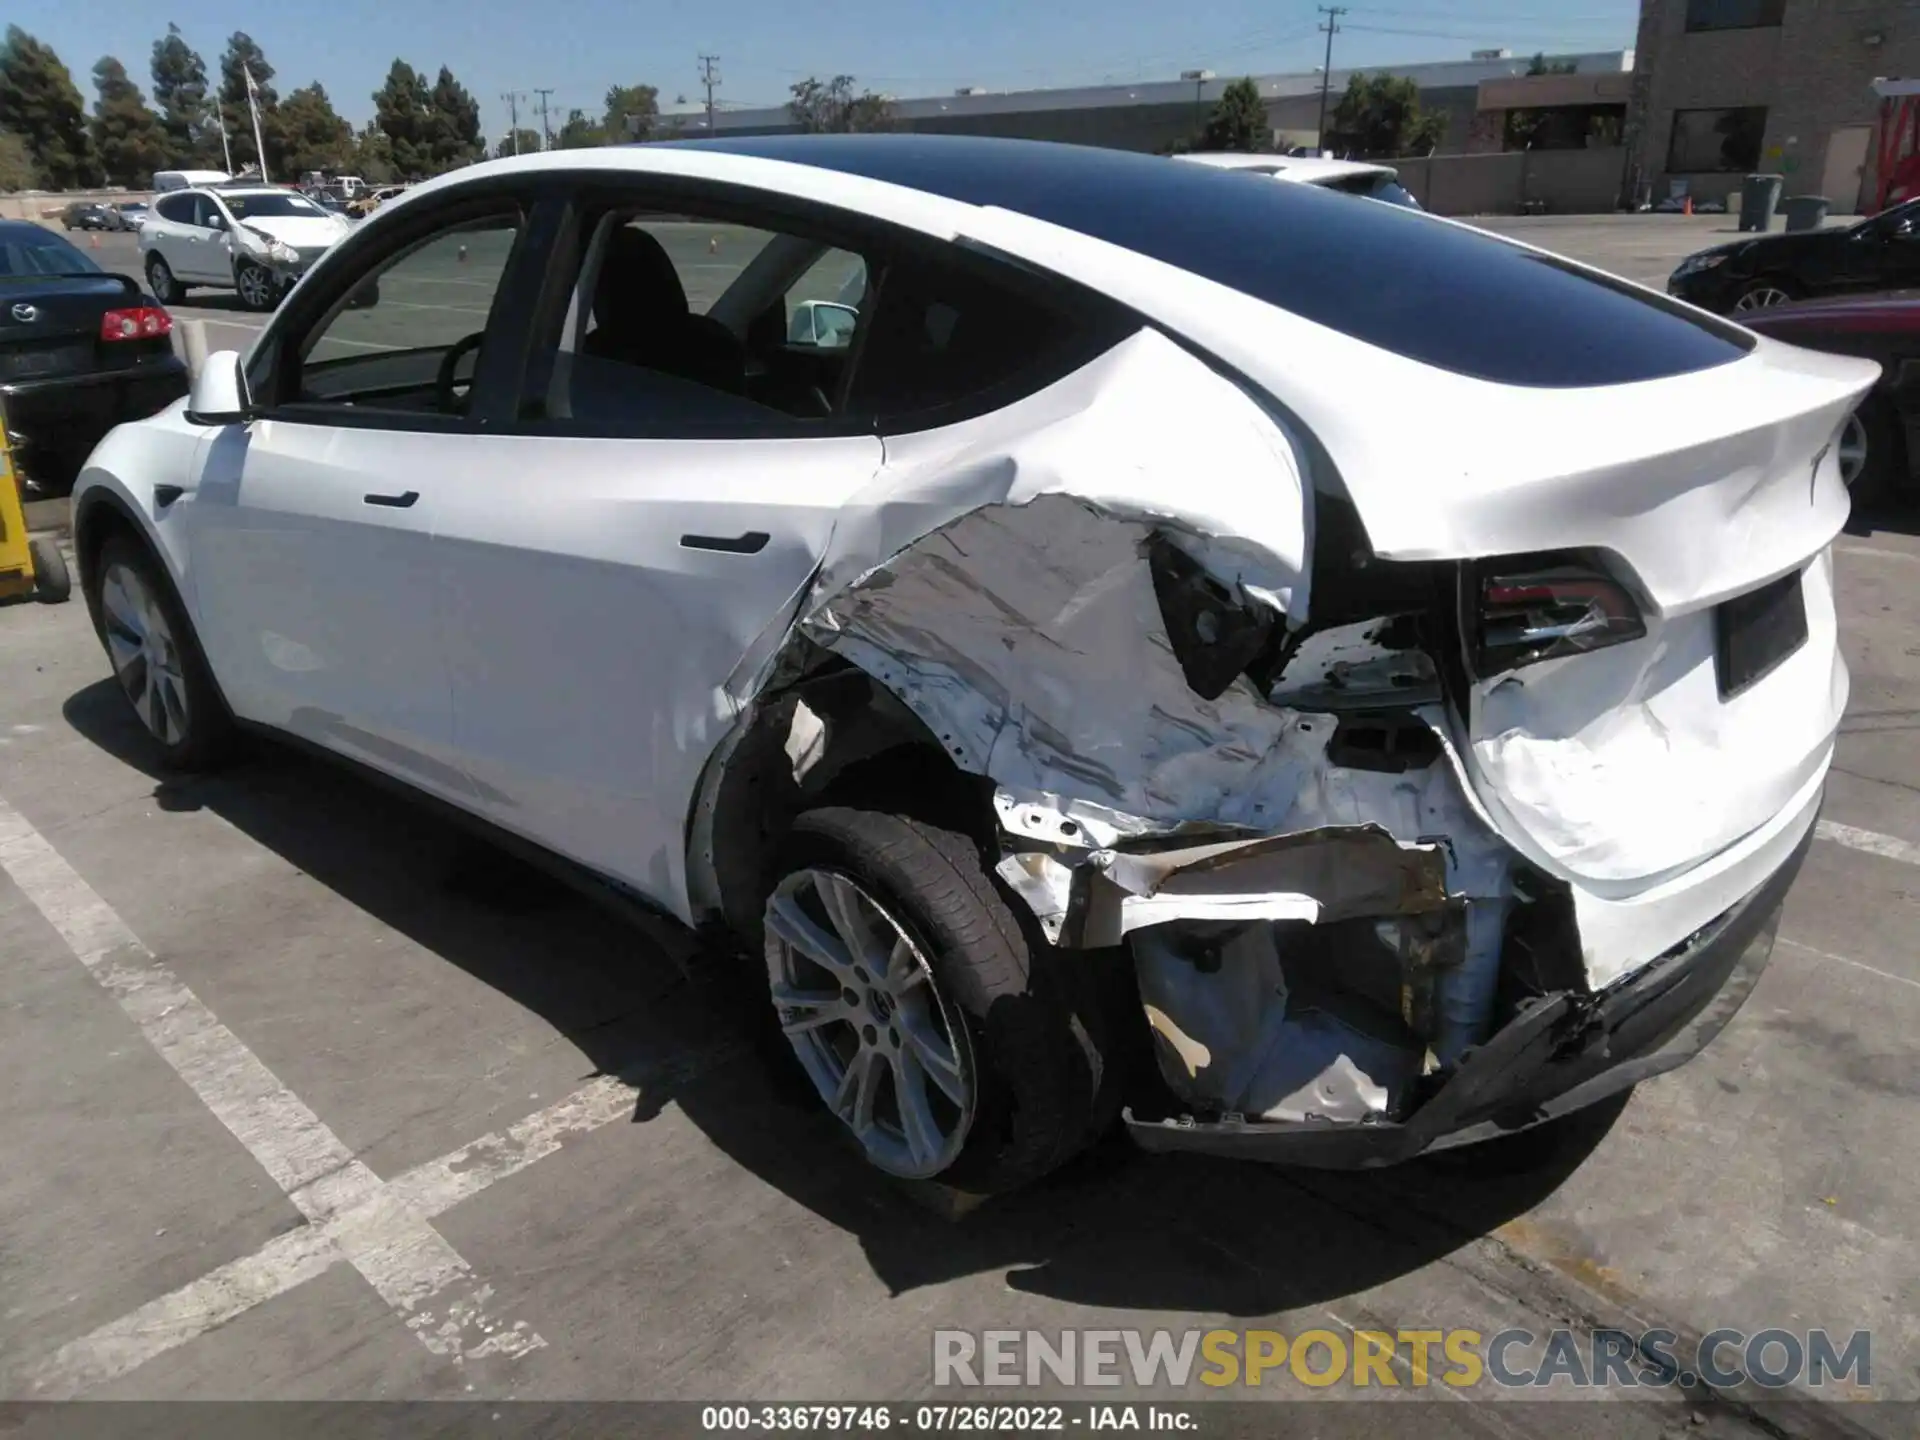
point(51, 582)
point(210, 738)
point(269, 295)
point(166, 289)
point(1039, 1027)
point(1885, 472)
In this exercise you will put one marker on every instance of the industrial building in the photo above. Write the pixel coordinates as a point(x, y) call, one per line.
point(1728, 87)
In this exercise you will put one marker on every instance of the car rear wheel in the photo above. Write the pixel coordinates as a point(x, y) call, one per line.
point(1763, 295)
point(1872, 452)
point(256, 287)
point(156, 659)
point(160, 281)
point(946, 1039)
point(51, 583)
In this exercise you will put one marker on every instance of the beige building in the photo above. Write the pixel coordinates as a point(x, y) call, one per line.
point(1724, 88)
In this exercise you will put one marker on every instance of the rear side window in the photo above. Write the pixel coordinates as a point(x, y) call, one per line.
point(177, 208)
point(950, 337)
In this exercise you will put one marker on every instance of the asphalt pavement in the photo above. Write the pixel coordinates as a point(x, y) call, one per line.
point(310, 1098)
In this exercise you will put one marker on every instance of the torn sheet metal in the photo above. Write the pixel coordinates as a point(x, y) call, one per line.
point(1318, 875)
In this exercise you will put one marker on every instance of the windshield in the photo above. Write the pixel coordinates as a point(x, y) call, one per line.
point(48, 255)
point(255, 207)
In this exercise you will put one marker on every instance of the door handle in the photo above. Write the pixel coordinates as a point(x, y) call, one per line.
point(393, 502)
point(751, 542)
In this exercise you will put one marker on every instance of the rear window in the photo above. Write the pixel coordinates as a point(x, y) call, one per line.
point(36, 255)
point(1440, 294)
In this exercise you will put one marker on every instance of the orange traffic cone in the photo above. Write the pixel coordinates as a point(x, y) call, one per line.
point(713, 246)
point(93, 237)
point(1686, 206)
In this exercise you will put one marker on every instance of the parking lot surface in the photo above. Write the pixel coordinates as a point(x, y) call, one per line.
point(310, 1097)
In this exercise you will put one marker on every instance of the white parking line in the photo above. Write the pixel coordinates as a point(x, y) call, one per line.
point(1845, 960)
point(1877, 554)
point(1889, 847)
point(374, 1228)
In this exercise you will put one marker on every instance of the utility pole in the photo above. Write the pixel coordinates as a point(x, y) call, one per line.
point(710, 77)
point(1332, 27)
point(546, 130)
point(513, 99)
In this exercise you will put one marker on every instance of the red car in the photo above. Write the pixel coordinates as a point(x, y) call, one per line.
point(1879, 439)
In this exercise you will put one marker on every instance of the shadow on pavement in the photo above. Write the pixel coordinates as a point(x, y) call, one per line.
point(1898, 515)
point(1117, 1229)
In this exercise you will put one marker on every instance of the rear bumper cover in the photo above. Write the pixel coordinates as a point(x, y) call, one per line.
point(1556, 1055)
point(68, 414)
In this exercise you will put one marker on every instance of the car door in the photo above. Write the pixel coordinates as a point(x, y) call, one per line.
point(311, 527)
point(168, 229)
point(199, 252)
point(663, 499)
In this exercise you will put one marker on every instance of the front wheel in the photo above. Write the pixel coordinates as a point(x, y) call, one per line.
point(1764, 295)
point(1873, 452)
point(944, 1037)
point(160, 281)
point(156, 658)
point(51, 583)
point(256, 287)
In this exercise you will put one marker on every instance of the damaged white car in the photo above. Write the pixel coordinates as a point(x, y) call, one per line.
point(1385, 674)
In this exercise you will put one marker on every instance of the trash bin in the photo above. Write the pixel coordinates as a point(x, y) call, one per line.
point(1806, 212)
point(1759, 198)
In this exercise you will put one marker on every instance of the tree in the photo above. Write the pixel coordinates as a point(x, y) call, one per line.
point(40, 103)
point(1239, 120)
point(1540, 65)
point(309, 135)
point(453, 125)
point(579, 133)
point(16, 163)
point(833, 107)
point(372, 158)
point(517, 142)
point(1380, 115)
point(180, 97)
point(632, 112)
point(243, 55)
point(401, 109)
point(126, 133)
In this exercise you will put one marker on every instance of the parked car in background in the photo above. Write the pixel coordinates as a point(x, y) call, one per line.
point(129, 215)
point(1066, 664)
point(368, 201)
point(1350, 177)
point(87, 215)
point(80, 351)
point(256, 240)
point(1881, 252)
point(1876, 447)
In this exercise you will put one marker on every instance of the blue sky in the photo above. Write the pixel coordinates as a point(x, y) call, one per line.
point(905, 47)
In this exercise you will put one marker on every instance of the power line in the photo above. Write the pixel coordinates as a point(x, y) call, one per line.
point(710, 77)
point(1332, 27)
point(546, 129)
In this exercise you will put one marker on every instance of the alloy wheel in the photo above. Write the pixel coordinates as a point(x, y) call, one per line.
point(861, 1007)
point(145, 656)
point(256, 288)
point(1853, 449)
point(1762, 297)
point(160, 281)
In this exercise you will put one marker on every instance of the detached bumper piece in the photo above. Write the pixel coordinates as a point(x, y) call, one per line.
point(1557, 1054)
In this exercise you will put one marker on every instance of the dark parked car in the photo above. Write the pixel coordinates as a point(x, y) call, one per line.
point(1877, 441)
point(1879, 253)
point(80, 351)
point(86, 216)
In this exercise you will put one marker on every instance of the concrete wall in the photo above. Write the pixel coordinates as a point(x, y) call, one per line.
point(46, 208)
point(1812, 72)
point(1567, 182)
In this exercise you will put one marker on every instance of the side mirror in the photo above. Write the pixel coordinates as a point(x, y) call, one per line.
point(219, 395)
point(822, 324)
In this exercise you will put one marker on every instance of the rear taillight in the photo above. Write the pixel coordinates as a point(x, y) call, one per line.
point(1532, 614)
point(143, 322)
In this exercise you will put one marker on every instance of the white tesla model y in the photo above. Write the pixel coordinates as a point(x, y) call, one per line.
point(1044, 604)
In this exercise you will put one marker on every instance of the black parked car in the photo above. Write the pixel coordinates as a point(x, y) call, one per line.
point(85, 216)
point(1880, 253)
point(80, 351)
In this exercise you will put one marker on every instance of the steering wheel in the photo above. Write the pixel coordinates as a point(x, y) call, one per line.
point(443, 382)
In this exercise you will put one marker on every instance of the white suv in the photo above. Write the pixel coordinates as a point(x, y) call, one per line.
point(256, 240)
point(1387, 673)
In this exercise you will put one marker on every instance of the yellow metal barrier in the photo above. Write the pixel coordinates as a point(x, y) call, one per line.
point(29, 564)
